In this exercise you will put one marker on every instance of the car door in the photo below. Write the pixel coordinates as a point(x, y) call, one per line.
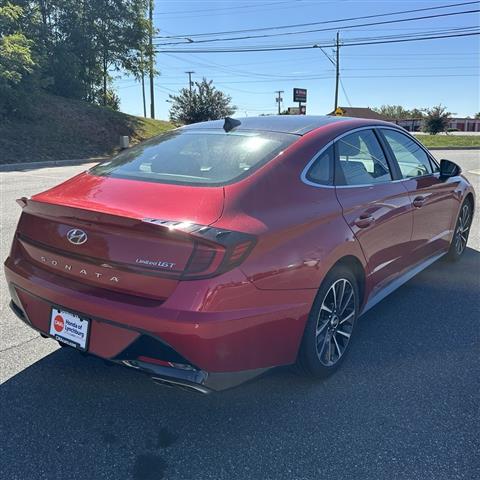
point(433, 199)
point(377, 209)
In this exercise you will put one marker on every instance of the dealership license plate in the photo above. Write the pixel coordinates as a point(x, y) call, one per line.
point(69, 328)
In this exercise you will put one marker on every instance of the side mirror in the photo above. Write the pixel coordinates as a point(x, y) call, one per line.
point(449, 169)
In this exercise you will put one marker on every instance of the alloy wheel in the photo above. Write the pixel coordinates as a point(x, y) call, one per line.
point(463, 227)
point(335, 322)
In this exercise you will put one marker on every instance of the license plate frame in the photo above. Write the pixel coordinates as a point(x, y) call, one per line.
point(70, 328)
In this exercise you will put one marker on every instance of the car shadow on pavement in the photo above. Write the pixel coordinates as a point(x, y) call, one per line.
point(403, 403)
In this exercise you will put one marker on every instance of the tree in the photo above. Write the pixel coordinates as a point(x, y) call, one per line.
point(397, 112)
point(436, 119)
point(121, 34)
point(477, 115)
point(393, 112)
point(16, 60)
point(78, 45)
point(417, 113)
point(95, 38)
point(203, 103)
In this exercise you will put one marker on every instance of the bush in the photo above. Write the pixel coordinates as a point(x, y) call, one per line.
point(436, 120)
point(203, 103)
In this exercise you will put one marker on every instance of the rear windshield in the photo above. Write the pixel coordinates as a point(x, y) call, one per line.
point(200, 157)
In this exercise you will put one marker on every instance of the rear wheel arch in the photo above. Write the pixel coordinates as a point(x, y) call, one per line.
point(469, 198)
point(353, 264)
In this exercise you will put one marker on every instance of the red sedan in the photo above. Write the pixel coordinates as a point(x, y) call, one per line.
point(212, 253)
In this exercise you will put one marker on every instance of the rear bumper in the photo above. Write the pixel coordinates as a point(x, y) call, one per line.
point(192, 379)
point(219, 349)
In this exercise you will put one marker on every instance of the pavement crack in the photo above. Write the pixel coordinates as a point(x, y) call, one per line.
point(19, 344)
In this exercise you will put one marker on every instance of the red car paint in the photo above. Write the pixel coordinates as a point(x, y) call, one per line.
point(250, 317)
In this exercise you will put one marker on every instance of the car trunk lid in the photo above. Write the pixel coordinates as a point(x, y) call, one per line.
point(117, 234)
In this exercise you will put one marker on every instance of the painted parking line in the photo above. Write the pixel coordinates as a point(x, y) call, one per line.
point(476, 172)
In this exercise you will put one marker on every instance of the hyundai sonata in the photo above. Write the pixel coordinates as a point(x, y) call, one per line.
point(212, 253)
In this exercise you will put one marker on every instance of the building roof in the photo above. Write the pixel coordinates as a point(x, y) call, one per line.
point(297, 124)
point(360, 112)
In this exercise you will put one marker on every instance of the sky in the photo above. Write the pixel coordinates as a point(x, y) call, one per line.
point(412, 74)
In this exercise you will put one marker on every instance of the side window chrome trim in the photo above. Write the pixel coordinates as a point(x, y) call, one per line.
point(303, 175)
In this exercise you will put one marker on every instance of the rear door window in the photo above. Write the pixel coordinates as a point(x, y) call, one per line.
point(412, 160)
point(199, 157)
point(360, 160)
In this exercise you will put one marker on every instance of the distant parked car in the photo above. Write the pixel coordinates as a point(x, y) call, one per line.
point(212, 253)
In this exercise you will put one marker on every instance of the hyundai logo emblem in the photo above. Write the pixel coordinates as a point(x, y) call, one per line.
point(76, 236)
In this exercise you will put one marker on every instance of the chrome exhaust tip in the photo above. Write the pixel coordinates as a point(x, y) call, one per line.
point(167, 382)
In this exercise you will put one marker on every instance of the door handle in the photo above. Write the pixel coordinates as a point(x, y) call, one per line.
point(364, 221)
point(419, 201)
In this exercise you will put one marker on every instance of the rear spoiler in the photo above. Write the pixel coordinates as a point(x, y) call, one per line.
point(22, 201)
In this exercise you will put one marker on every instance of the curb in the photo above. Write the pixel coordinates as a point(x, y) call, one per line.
point(10, 167)
point(452, 148)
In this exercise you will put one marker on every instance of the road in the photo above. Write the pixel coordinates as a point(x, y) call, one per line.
point(403, 406)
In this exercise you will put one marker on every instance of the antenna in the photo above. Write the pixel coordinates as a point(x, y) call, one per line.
point(230, 124)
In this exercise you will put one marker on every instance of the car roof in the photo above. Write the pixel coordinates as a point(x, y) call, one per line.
point(296, 124)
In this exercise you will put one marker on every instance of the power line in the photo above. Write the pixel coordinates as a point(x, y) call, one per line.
point(309, 46)
point(327, 77)
point(223, 8)
point(251, 92)
point(412, 54)
point(309, 76)
point(298, 60)
point(244, 11)
point(229, 68)
point(324, 22)
point(316, 30)
point(441, 31)
point(345, 93)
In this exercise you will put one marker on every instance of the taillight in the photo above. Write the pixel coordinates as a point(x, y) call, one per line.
point(215, 250)
point(200, 260)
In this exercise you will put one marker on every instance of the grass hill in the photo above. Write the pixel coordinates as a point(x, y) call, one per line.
point(57, 128)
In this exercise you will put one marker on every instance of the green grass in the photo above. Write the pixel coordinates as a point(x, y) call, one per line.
point(146, 127)
point(441, 141)
point(56, 128)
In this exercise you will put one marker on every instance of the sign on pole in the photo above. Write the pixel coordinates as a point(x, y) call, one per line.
point(300, 95)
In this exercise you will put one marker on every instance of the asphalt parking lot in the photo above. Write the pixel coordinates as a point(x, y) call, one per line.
point(404, 405)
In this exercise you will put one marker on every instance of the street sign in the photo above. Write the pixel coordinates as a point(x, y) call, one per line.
point(300, 95)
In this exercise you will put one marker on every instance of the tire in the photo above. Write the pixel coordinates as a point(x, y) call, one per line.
point(461, 232)
point(329, 328)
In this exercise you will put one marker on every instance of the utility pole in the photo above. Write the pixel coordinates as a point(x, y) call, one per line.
point(143, 84)
point(151, 62)
point(279, 99)
point(337, 65)
point(189, 73)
